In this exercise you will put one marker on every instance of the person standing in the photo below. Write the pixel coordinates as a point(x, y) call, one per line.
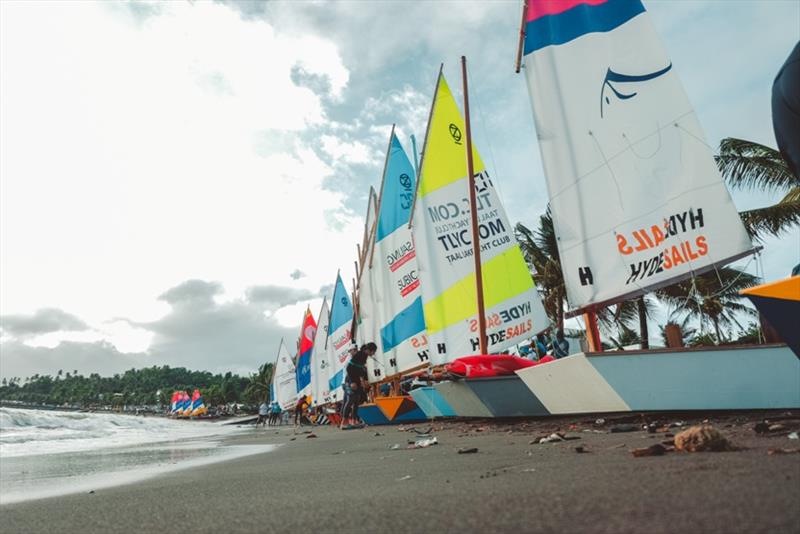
point(560, 345)
point(275, 413)
point(356, 380)
point(263, 413)
point(298, 411)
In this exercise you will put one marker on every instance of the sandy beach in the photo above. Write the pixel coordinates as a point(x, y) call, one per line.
point(355, 481)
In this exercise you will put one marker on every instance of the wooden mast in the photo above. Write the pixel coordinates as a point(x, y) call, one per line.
point(473, 208)
point(521, 44)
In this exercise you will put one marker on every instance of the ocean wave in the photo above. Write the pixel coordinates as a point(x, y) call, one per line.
point(30, 432)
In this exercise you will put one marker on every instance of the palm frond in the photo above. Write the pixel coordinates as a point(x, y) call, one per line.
point(748, 165)
point(772, 220)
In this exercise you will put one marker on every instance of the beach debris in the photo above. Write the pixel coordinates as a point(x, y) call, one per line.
point(529, 470)
point(91, 492)
point(292, 439)
point(793, 435)
point(777, 427)
point(553, 438)
point(761, 428)
point(772, 452)
point(467, 450)
point(312, 435)
point(395, 447)
point(702, 438)
point(580, 449)
point(600, 421)
point(620, 446)
point(376, 434)
point(652, 450)
point(422, 443)
point(623, 428)
point(407, 477)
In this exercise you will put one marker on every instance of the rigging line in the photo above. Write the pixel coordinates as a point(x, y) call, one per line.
point(610, 170)
point(701, 140)
point(612, 158)
point(477, 99)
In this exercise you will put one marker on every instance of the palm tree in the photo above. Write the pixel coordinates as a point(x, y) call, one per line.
point(540, 250)
point(260, 383)
point(712, 299)
point(748, 165)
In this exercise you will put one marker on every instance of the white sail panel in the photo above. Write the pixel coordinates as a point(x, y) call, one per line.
point(402, 335)
point(285, 379)
point(443, 238)
point(340, 337)
point(636, 197)
point(321, 363)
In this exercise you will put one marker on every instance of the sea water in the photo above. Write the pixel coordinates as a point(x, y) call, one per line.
point(46, 453)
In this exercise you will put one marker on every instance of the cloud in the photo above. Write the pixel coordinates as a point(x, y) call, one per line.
point(274, 297)
point(43, 321)
point(192, 291)
point(19, 359)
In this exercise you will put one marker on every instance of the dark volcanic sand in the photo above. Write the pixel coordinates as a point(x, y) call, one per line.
point(352, 481)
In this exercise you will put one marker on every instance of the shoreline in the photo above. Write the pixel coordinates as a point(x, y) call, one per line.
point(366, 479)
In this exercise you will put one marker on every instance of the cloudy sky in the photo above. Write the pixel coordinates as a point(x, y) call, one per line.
point(179, 180)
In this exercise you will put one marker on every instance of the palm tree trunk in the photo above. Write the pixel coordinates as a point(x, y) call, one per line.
point(560, 310)
point(643, 332)
point(717, 330)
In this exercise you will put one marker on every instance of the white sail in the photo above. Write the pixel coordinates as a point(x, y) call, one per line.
point(368, 329)
point(401, 336)
point(636, 197)
point(285, 379)
point(321, 364)
point(442, 234)
point(340, 337)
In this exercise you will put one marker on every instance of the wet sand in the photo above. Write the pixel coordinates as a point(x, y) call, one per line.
point(352, 481)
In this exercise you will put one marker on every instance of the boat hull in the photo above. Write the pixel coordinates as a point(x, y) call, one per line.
point(506, 396)
point(463, 401)
point(711, 378)
point(372, 415)
point(432, 403)
point(400, 409)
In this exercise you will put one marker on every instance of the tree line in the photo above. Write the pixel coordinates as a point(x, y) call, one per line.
point(136, 387)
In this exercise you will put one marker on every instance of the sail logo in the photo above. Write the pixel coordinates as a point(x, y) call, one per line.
point(455, 133)
point(408, 283)
point(614, 79)
point(310, 332)
point(401, 256)
point(407, 196)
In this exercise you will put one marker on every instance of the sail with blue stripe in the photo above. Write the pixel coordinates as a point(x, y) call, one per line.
point(394, 268)
point(340, 336)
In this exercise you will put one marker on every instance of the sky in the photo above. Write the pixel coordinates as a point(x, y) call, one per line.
point(180, 180)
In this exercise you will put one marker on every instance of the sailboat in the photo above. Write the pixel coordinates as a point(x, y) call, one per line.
point(638, 204)
point(478, 295)
point(389, 296)
point(285, 379)
point(308, 330)
point(339, 337)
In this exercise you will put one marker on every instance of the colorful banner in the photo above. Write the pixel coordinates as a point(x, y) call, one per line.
point(636, 197)
point(443, 236)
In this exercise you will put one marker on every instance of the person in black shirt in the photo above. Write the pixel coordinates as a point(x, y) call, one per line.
point(356, 381)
